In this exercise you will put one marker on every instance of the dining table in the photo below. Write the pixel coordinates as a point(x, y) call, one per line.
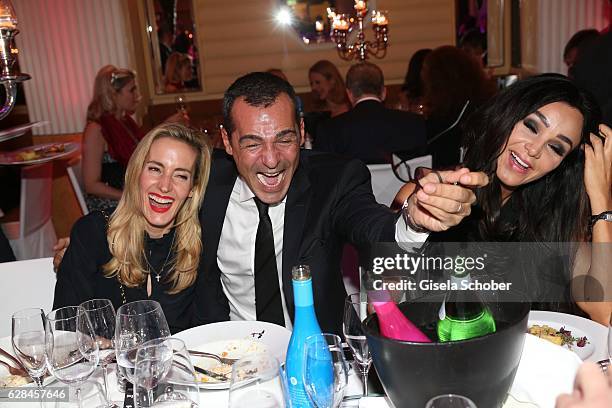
point(537, 355)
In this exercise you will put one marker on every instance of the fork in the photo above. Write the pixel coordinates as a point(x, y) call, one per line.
point(14, 370)
point(222, 360)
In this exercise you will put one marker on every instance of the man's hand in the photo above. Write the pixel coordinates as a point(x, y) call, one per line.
point(59, 248)
point(591, 389)
point(445, 198)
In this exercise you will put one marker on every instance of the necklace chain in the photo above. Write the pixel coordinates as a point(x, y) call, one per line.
point(150, 268)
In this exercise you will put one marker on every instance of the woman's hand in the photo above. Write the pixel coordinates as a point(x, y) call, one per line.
point(598, 170)
point(591, 389)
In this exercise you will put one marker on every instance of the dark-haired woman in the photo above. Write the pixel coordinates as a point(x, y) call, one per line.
point(550, 167)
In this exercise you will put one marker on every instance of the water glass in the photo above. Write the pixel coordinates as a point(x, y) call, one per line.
point(101, 313)
point(355, 312)
point(28, 338)
point(450, 401)
point(258, 382)
point(71, 347)
point(164, 375)
point(137, 323)
point(325, 372)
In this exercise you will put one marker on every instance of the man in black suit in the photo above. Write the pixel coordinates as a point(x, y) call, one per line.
point(371, 132)
point(312, 202)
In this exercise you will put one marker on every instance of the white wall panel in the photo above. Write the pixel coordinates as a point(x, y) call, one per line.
point(62, 44)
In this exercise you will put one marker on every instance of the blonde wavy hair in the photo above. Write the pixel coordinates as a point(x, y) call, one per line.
point(109, 81)
point(126, 227)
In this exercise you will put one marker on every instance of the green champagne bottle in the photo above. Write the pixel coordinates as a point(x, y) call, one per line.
point(463, 314)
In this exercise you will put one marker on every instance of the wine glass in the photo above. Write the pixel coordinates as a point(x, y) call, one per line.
point(181, 104)
point(153, 359)
point(257, 381)
point(101, 313)
point(179, 387)
point(355, 311)
point(28, 338)
point(450, 401)
point(325, 372)
point(137, 323)
point(71, 347)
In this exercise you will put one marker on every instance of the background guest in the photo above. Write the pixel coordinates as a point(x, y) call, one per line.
point(178, 72)
point(591, 389)
point(151, 246)
point(110, 136)
point(451, 78)
point(411, 95)
point(577, 43)
point(370, 132)
point(329, 95)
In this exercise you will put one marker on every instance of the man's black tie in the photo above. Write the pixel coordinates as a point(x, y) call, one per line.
point(267, 292)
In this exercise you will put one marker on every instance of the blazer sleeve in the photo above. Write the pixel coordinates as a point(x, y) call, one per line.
point(356, 214)
point(210, 303)
point(76, 275)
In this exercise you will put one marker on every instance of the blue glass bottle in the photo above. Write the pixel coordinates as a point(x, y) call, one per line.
point(305, 324)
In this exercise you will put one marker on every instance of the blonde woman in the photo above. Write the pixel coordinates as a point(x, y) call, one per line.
point(150, 247)
point(110, 136)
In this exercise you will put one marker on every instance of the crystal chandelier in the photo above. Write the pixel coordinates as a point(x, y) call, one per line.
point(343, 24)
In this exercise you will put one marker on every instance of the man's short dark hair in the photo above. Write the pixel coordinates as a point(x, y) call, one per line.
point(259, 89)
point(580, 40)
point(365, 78)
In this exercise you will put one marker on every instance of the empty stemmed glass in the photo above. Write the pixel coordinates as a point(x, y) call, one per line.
point(101, 313)
point(257, 381)
point(355, 311)
point(28, 338)
point(164, 375)
point(71, 347)
point(137, 323)
point(325, 371)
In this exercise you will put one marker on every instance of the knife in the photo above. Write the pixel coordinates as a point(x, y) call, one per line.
point(211, 374)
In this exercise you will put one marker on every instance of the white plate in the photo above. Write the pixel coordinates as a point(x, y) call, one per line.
point(19, 130)
point(5, 343)
point(216, 336)
point(12, 158)
point(595, 333)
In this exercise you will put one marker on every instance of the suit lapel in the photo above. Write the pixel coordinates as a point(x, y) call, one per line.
point(296, 208)
point(222, 178)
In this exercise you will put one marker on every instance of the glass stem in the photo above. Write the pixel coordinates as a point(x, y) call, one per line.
point(78, 396)
point(364, 376)
point(150, 397)
point(105, 377)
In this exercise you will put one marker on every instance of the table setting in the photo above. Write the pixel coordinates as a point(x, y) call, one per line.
point(225, 364)
point(38, 153)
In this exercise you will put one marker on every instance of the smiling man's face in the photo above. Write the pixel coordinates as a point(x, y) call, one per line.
point(265, 145)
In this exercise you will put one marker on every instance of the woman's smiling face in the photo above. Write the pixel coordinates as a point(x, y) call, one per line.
point(538, 144)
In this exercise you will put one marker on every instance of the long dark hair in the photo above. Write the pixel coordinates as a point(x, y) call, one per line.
point(553, 208)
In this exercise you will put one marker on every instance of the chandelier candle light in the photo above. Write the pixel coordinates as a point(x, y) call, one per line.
point(342, 24)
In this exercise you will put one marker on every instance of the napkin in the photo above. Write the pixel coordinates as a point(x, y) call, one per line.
point(545, 371)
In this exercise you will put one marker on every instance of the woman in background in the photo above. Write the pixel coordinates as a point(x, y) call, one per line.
point(150, 247)
point(411, 94)
point(451, 79)
point(110, 136)
point(330, 98)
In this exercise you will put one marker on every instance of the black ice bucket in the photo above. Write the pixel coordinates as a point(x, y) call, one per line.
point(481, 368)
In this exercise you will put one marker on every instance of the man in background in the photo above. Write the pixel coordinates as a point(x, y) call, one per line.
point(370, 131)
